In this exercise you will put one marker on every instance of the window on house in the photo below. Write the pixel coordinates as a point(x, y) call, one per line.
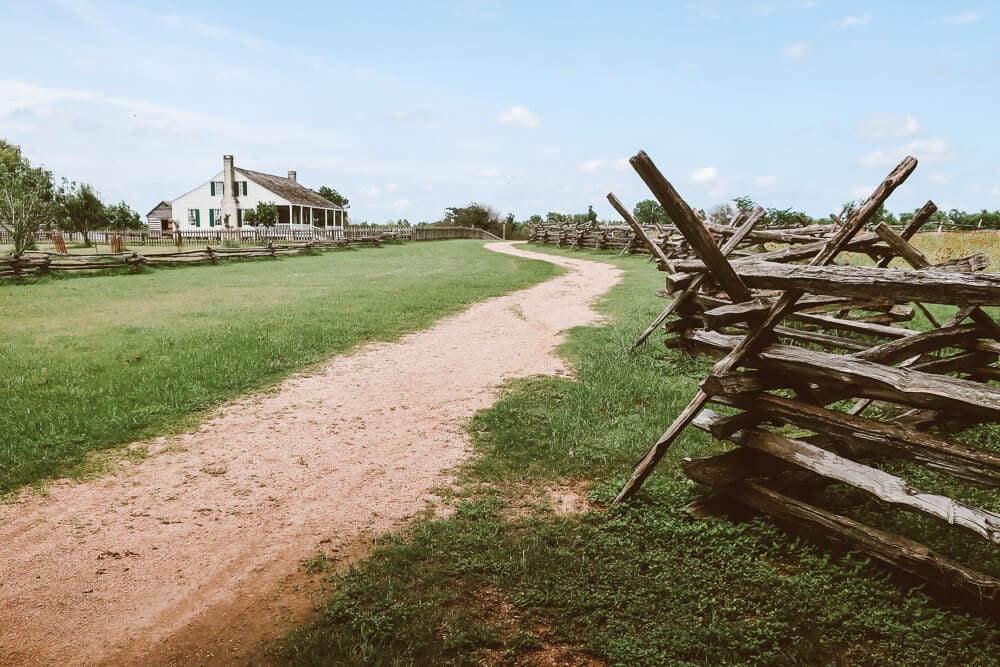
point(217, 188)
point(194, 217)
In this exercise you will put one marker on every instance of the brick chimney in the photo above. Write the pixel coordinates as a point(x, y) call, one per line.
point(228, 192)
point(291, 176)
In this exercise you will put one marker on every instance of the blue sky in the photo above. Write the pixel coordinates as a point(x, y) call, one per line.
point(410, 107)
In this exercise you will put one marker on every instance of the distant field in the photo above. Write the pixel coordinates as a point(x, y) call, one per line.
point(944, 245)
point(93, 362)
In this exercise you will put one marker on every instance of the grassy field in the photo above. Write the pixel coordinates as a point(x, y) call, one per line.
point(946, 245)
point(507, 580)
point(93, 362)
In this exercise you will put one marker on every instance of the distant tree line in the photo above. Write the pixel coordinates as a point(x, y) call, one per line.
point(30, 201)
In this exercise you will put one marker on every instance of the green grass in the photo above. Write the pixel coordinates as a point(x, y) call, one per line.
point(93, 362)
point(506, 578)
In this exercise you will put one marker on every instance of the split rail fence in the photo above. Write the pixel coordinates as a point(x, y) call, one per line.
point(824, 378)
point(41, 263)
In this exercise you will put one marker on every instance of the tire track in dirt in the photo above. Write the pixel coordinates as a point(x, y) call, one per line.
point(194, 554)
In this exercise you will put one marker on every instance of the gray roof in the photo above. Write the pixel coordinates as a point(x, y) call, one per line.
point(287, 189)
point(162, 207)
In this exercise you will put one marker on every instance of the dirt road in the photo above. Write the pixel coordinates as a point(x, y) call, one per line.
point(195, 554)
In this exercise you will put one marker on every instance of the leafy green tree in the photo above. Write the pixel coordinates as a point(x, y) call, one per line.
point(83, 210)
point(723, 213)
point(649, 212)
point(27, 198)
point(744, 204)
point(332, 195)
point(122, 218)
point(473, 215)
point(264, 215)
point(783, 218)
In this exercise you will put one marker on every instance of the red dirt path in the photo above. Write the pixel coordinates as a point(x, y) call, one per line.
point(194, 555)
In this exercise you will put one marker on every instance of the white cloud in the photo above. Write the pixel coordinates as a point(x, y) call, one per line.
point(964, 17)
point(862, 191)
point(925, 150)
point(995, 191)
point(765, 181)
point(392, 187)
point(17, 97)
point(621, 164)
point(855, 21)
point(520, 116)
point(370, 190)
point(939, 179)
point(400, 204)
point(878, 126)
point(489, 173)
point(704, 175)
point(210, 30)
point(795, 50)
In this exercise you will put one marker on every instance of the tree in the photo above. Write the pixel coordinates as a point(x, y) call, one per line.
point(745, 205)
point(83, 210)
point(265, 215)
point(649, 212)
point(783, 218)
point(330, 194)
point(722, 214)
point(27, 197)
point(122, 218)
point(476, 215)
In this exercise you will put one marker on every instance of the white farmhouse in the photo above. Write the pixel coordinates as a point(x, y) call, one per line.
point(221, 202)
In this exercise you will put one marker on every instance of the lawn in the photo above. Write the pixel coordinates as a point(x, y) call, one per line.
point(90, 363)
point(508, 580)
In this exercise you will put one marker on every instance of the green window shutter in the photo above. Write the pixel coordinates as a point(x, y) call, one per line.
point(197, 217)
point(239, 217)
point(211, 217)
point(212, 186)
point(244, 186)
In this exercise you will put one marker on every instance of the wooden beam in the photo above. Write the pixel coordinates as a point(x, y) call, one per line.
point(654, 250)
point(860, 282)
point(690, 226)
point(760, 335)
point(921, 343)
point(865, 378)
point(895, 550)
point(867, 437)
point(882, 485)
point(978, 315)
point(682, 298)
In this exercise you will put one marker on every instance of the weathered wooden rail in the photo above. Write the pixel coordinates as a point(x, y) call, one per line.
point(806, 350)
point(42, 263)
